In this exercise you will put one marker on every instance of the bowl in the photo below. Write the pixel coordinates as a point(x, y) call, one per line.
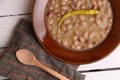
point(71, 56)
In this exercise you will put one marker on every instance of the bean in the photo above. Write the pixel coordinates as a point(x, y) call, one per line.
point(63, 28)
point(97, 36)
point(53, 2)
point(76, 33)
point(78, 47)
point(53, 32)
point(76, 42)
point(108, 11)
point(103, 36)
point(83, 47)
point(84, 24)
point(74, 18)
point(77, 8)
point(86, 34)
point(90, 45)
point(82, 18)
point(101, 26)
point(72, 46)
point(50, 28)
point(62, 12)
point(51, 8)
point(100, 2)
point(56, 11)
point(72, 6)
point(56, 5)
point(79, 3)
point(75, 1)
point(50, 15)
point(92, 19)
point(58, 18)
point(98, 16)
point(69, 27)
point(64, 1)
point(82, 39)
point(81, 27)
point(69, 2)
point(67, 21)
point(92, 35)
point(76, 24)
point(110, 20)
point(98, 22)
point(64, 7)
point(94, 2)
point(59, 35)
point(64, 42)
point(75, 37)
point(66, 33)
point(59, 40)
point(95, 7)
point(83, 7)
point(51, 22)
point(69, 9)
point(59, 15)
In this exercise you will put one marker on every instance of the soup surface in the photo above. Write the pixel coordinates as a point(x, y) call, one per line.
point(81, 31)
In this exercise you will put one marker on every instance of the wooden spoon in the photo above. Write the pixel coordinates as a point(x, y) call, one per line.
point(26, 57)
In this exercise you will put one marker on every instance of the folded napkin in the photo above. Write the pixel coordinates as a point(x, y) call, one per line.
point(24, 38)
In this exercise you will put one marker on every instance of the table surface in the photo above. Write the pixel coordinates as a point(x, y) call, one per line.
point(11, 11)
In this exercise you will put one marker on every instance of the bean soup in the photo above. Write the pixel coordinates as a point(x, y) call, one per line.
point(81, 30)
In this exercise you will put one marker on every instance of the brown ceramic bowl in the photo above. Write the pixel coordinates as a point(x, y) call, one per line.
point(70, 56)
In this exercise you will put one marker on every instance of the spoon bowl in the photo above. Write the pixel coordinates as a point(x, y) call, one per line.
point(25, 56)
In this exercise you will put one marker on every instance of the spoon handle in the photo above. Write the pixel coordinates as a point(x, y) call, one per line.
point(49, 70)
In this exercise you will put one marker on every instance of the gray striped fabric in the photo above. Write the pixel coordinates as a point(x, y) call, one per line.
point(24, 38)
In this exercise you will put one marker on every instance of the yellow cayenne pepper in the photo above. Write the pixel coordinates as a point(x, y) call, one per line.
point(76, 12)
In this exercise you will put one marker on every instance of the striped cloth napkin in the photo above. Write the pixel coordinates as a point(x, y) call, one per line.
point(24, 38)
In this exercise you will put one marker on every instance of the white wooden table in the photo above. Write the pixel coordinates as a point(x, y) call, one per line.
point(11, 11)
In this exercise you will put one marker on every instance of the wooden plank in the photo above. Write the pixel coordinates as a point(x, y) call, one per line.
point(7, 25)
point(106, 75)
point(8, 7)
